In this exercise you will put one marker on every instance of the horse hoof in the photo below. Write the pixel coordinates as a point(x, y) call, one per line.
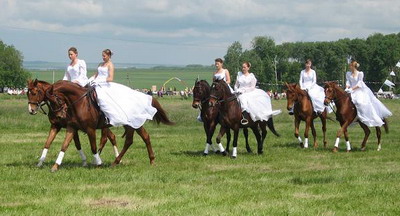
point(348, 151)
point(54, 169)
point(233, 157)
point(84, 164)
point(218, 152)
point(301, 145)
point(205, 154)
point(224, 153)
point(39, 165)
point(363, 149)
point(260, 152)
point(334, 150)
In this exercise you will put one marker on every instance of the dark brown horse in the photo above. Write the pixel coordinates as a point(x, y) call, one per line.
point(346, 113)
point(36, 99)
point(76, 105)
point(300, 102)
point(231, 115)
point(210, 117)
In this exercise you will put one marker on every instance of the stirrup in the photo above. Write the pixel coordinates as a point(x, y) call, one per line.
point(244, 121)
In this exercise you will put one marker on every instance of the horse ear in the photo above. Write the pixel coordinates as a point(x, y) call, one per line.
point(35, 82)
point(197, 80)
point(49, 92)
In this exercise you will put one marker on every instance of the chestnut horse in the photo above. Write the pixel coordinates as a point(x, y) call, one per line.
point(36, 99)
point(303, 110)
point(210, 117)
point(231, 115)
point(346, 113)
point(78, 106)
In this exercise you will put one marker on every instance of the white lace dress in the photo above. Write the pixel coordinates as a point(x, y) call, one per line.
point(121, 104)
point(370, 110)
point(255, 101)
point(77, 73)
point(308, 81)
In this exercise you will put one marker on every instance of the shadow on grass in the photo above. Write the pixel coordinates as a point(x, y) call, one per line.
point(308, 181)
point(194, 153)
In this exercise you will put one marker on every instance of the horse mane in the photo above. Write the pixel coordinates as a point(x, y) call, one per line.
point(225, 86)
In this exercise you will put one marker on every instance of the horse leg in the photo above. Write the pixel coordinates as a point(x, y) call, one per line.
point(314, 133)
point(296, 131)
point(111, 137)
point(367, 131)
point(91, 132)
point(263, 126)
point(128, 142)
point(79, 148)
point(323, 120)
point(235, 140)
point(343, 127)
point(146, 138)
point(68, 137)
point(258, 138)
point(378, 135)
point(308, 124)
point(52, 134)
point(228, 139)
point(221, 133)
point(209, 128)
point(246, 137)
point(103, 140)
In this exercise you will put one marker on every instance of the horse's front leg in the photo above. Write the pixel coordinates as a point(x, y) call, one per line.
point(296, 130)
point(378, 136)
point(68, 137)
point(235, 140)
point(308, 124)
point(52, 134)
point(91, 132)
point(221, 133)
point(79, 148)
point(246, 137)
point(343, 128)
point(314, 133)
point(323, 120)
point(209, 128)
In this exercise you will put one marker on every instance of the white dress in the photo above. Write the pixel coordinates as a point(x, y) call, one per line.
point(370, 110)
point(222, 76)
point(255, 101)
point(77, 73)
point(308, 81)
point(121, 104)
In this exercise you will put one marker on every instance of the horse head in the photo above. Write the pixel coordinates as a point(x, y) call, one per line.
point(219, 92)
point(330, 89)
point(201, 93)
point(57, 103)
point(36, 94)
point(292, 94)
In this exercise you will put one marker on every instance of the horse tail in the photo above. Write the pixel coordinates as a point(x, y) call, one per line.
point(386, 125)
point(161, 115)
point(270, 124)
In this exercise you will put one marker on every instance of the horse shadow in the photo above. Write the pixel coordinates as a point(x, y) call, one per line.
point(192, 153)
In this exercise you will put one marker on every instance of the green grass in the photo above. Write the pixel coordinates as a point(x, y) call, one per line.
point(142, 78)
point(286, 180)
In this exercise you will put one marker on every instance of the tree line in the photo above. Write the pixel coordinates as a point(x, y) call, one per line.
point(275, 64)
point(12, 73)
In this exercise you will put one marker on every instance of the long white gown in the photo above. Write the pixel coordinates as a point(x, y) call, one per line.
point(121, 104)
point(370, 110)
point(255, 101)
point(77, 73)
point(308, 81)
point(222, 76)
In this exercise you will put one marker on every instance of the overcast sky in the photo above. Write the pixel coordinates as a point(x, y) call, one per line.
point(181, 31)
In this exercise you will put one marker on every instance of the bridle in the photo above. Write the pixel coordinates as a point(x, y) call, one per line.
point(219, 101)
point(39, 104)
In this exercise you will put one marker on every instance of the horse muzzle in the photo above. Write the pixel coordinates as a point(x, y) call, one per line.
point(31, 110)
point(196, 105)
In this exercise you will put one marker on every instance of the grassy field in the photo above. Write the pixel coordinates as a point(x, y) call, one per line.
point(142, 78)
point(286, 180)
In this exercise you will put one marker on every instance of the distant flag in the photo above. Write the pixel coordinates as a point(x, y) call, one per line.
point(389, 83)
point(392, 73)
point(380, 91)
point(398, 64)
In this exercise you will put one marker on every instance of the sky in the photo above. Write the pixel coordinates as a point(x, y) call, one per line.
point(181, 32)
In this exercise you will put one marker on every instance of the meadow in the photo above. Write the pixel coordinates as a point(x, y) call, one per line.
point(285, 180)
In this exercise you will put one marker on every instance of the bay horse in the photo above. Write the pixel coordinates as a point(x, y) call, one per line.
point(300, 102)
point(210, 117)
point(79, 108)
point(346, 113)
point(231, 115)
point(36, 99)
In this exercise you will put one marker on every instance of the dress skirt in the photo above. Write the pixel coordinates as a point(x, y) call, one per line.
point(258, 104)
point(123, 105)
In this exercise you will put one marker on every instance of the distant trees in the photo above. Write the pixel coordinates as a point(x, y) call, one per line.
point(12, 73)
point(378, 55)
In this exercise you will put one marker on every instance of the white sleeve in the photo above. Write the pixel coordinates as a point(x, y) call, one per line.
point(360, 80)
point(236, 87)
point(301, 80)
point(348, 79)
point(82, 72)
point(314, 78)
point(66, 75)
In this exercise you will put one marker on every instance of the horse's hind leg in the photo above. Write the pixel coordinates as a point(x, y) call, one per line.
point(258, 137)
point(246, 137)
point(146, 138)
point(128, 142)
point(323, 120)
point(314, 133)
point(103, 140)
point(79, 148)
point(366, 135)
point(113, 140)
point(228, 139)
point(221, 133)
point(52, 134)
point(378, 135)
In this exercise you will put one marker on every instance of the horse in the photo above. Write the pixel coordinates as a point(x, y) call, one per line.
point(37, 99)
point(303, 110)
point(346, 113)
point(210, 118)
point(78, 106)
point(231, 115)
